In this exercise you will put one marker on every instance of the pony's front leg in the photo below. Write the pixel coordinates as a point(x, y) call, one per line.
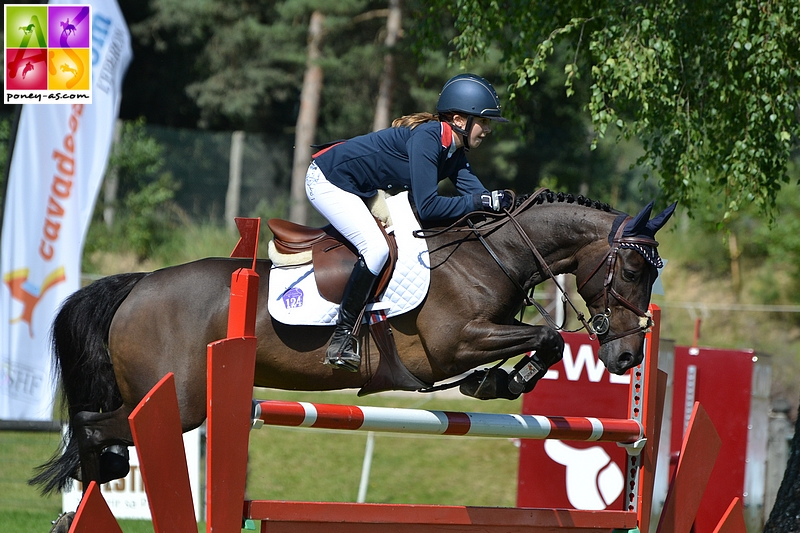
point(545, 345)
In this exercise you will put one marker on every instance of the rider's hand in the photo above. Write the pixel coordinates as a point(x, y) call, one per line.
point(496, 201)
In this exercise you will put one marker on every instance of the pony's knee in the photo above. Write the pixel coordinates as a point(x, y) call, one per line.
point(553, 347)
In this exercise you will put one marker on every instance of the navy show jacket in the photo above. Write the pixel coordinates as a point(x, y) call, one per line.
point(403, 158)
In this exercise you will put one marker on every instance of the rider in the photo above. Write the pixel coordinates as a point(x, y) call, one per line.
point(415, 154)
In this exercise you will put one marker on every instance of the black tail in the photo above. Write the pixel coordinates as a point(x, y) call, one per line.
point(79, 338)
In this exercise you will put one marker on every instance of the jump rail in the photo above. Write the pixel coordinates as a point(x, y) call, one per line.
point(398, 420)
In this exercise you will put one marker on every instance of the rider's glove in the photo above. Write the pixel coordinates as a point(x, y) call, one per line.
point(496, 201)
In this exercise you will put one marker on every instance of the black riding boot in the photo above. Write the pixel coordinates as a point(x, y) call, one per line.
point(341, 352)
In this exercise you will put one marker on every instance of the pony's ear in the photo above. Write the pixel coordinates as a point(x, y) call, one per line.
point(660, 219)
point(638, 225)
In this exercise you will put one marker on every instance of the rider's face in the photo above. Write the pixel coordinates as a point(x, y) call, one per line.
point(481, 127)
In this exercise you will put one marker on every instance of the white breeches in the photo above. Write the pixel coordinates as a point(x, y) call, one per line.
point(350, 216)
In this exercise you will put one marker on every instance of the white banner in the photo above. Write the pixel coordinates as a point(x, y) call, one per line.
point(59, 159)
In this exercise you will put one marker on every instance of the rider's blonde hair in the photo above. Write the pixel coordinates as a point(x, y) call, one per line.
point(412, 121)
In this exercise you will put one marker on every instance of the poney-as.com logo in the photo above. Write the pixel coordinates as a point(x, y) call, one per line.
point(48, 55)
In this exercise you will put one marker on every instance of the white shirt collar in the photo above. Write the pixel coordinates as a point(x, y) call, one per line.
point(453, 146)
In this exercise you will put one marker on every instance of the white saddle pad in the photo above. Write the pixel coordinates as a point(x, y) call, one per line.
point(295, 300)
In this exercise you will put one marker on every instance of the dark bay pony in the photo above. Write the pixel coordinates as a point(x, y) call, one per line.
point(114, 339)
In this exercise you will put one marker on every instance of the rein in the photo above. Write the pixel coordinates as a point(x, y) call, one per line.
point(600, 323)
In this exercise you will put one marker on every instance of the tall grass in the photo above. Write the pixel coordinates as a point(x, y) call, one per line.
point(194, 241)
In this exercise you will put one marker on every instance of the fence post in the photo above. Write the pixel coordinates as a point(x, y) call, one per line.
point(234, 180)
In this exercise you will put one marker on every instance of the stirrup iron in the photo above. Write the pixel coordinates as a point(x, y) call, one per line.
point(342, 360)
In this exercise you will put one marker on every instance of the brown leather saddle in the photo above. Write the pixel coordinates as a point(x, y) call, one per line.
point(333, 258)
point(332, 255)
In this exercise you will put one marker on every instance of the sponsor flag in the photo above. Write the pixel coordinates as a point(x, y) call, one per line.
point(59, 158)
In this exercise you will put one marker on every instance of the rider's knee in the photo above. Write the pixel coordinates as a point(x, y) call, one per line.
point(375, 256)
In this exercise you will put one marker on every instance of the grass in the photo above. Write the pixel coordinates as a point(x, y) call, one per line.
point(313, 465)
point(21, 507)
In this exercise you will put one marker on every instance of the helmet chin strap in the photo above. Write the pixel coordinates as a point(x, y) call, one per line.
point(464, 132)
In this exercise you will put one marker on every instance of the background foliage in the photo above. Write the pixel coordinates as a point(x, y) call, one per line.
point(699, 95)
point(145, 212)
point(710, 88)
point(240, 67)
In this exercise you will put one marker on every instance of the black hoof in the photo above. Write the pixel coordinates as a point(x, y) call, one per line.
point(62, 523)
point(114, 463)
point(488, 385)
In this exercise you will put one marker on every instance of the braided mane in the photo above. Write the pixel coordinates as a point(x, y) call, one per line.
point(551, 197)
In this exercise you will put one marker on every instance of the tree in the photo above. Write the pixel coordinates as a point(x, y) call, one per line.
point(5, 133)
point(306, 119)
point(145, 193)
point(711, 88)
point(239, 63)
point(243, 63)
point(241, 66)
point(785, 514)
point(384, 104)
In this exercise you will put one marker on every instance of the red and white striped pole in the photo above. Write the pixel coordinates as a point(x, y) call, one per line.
point(397, 420)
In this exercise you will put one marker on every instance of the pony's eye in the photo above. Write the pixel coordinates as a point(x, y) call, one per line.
point(628, 275)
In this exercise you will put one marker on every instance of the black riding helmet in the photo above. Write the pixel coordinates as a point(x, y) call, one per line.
point(470, 95)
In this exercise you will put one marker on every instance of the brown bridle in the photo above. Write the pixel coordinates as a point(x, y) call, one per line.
point(600, 322)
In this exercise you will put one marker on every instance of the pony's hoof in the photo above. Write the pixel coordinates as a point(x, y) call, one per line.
point(488, 385)
point(62, 523)
point(114, 463)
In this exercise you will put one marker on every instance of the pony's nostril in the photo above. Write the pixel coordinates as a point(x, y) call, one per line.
point(626, 360)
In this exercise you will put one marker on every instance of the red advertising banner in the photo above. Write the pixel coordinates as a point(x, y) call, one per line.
point(568, 474)
point(721, 380)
